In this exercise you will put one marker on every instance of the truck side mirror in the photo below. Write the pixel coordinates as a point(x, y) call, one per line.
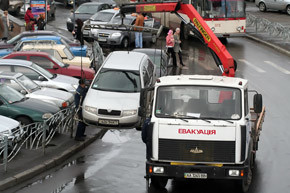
point(258, 103)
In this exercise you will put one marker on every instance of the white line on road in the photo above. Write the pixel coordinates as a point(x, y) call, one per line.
point(252, 66)
point(283, 70)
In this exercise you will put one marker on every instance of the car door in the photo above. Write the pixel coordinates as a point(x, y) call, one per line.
point(5, 68)
point(4, 109)
point(45, 63)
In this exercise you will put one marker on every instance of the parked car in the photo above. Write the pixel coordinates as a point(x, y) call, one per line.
point(30, 89)
point(84, 12)
point(110, 2)
point(158, 57)
point(10, 128)
point(121, 36)
point(53, 64)
point(15, 6)
point(101, 17)
point(51, 8)
point(76, 50)
point(41, 76)
point(113, 97)
point(264, 5)
point(62, 52)
point(13, 41)
point(25, 110)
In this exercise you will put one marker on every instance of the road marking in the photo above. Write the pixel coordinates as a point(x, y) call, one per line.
point(283, 70)
point(252, 66)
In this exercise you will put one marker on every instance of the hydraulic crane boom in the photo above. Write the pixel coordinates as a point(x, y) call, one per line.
point(221, 56)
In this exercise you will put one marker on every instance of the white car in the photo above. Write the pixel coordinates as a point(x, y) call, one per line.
point(10, 128)
point(280, 5)
point(113, 97)
point(41, 76)
point(30, 89)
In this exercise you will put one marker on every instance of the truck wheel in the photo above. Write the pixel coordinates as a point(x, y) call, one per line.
point(244, 185)
point(159, 182)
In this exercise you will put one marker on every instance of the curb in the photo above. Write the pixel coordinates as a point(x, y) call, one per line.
point(279, 49)
point(28, 174)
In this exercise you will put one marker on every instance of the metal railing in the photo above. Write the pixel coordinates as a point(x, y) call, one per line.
point(274, 29)
point(36, 135)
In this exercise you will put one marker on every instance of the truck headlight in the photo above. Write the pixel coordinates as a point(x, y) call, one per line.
point(68, 20)
point(234, 172)
point(158, 170)
point(91, 109)
point(129, 112)
point(116, 34)
point(46, 115)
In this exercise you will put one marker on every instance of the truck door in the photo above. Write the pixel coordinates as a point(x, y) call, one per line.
point(247, 118)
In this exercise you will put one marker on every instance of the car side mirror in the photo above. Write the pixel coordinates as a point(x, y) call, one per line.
point(55, 67)
point(41, 78)
point(258, 103)
point(23, 92)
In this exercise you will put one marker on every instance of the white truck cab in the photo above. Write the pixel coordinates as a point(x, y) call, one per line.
point(201, 127)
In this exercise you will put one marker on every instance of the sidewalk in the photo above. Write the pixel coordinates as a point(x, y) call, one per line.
point(29, 163)
point(276, 18)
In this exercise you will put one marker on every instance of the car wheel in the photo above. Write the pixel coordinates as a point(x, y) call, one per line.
point(24, 120)
point(125, 43)
point(288, 9)
point(262, 7)
point(154, 39)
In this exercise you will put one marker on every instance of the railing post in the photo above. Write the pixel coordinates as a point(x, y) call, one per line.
point(5, 156)
point(44, 136)
point(72, 122)
point(256, 24)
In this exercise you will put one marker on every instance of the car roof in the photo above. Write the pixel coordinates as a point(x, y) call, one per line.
point(93, 3)
point(124, 60)
point(45, 37)
point(43, 46)
point(24, 53)
point(148, 50)
point(15, 62)
point(110, 11)
point(38, 32)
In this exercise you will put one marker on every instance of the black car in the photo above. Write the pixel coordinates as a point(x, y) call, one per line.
point(155, 56)
point(12, 42)
point(85, 11)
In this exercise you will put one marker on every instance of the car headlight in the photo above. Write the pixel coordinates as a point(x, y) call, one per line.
point(69, 20)
point(91, 109)
point(116, 34)
point(46, 115)
point(5, 132)
point(129, 112)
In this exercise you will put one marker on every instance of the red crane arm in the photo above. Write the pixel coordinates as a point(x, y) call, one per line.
point(209, 37)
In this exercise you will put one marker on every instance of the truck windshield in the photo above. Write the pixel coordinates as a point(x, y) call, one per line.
point(117, 81)
point(203, 102)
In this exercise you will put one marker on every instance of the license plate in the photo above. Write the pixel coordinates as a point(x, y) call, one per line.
point(196, 175)
point(108, 122)
point(102, 39)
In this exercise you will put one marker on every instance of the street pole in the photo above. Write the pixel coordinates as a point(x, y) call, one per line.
point(45, 13)
point(74, 15)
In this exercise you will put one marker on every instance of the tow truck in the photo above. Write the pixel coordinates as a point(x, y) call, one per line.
point(201, 126)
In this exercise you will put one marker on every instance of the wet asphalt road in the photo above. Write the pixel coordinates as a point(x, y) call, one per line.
point(116, 163)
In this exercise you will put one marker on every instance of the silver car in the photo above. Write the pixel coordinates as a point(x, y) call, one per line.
point(41, 76)
point(113, 97)
point(10, 128)
point(30, 89)
point(280, 5)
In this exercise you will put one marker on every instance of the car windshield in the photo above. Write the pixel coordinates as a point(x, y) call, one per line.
point(42, 71)
point(118, 20)
point(10, 95)
point(204, 102)
point(68, 54)
point(56, 61)
point(27, 83)
point(89, 9)
point(102, 16)
point(122, 81)
point(155, 59)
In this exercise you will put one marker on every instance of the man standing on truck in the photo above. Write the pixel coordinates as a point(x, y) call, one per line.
point(138, 35)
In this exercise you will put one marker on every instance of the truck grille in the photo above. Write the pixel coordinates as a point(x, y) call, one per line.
point(197, 151)
point(106, 112)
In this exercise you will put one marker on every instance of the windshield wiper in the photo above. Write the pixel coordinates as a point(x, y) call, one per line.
point(213, 118)
point(183, 117)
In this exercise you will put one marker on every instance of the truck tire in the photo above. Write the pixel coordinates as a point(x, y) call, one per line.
point(159, 182)
point(244, 185)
